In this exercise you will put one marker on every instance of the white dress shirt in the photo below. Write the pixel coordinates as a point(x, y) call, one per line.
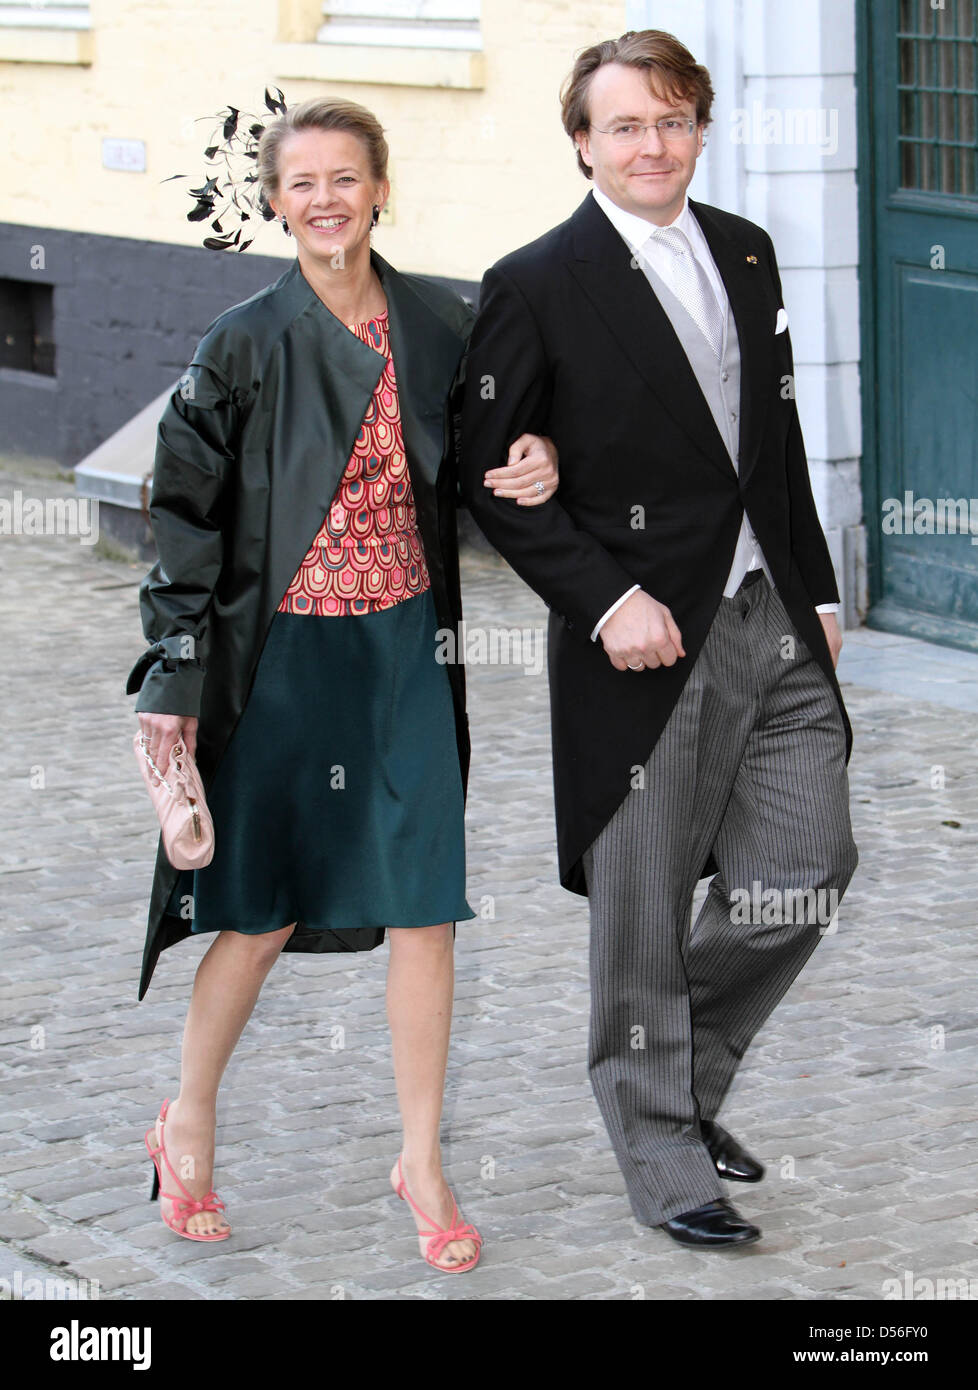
point(638, 234)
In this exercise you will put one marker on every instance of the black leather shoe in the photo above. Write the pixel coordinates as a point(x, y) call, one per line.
point(731, 1161)
point(714, 1226)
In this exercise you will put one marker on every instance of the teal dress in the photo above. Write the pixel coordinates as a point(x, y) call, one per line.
point(338, 803)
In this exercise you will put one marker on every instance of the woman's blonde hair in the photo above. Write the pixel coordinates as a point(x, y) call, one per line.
point(320, 113)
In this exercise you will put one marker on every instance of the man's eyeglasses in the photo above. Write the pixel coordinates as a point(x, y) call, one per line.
point(669, 128)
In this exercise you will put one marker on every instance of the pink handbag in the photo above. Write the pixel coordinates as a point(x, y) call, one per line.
point(188, 831)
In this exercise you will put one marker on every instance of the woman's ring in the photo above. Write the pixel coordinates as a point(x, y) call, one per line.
point(540, 488)
point(639, 667)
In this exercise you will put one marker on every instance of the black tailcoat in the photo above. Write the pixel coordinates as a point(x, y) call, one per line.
point(571, 342)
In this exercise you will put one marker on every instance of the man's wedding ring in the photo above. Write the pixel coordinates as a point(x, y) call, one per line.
point(639, 667)
point(540, 488)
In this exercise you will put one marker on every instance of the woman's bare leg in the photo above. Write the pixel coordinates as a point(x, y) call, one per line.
point(420, 986)
point(226, 987)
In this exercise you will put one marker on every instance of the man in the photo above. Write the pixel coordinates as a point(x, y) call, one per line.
point(697, 721)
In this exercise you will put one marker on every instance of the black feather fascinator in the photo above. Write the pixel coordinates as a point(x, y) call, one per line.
point(230, 192)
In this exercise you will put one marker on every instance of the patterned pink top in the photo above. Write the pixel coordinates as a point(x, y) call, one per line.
point(367, 554)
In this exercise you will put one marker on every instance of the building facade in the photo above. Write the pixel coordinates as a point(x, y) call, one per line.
point(846, 127)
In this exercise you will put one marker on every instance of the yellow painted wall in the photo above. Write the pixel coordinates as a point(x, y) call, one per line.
point(475, 172)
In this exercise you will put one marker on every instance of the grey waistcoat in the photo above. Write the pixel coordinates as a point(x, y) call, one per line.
point(719, 380)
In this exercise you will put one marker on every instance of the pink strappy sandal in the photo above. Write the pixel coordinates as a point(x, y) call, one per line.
point(186, 1206)
point(439, 1238)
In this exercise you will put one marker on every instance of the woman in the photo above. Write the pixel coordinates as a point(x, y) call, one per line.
point(304, 512)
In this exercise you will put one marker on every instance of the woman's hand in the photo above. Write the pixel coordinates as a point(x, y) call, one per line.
point(532, 459)
point(162, 731)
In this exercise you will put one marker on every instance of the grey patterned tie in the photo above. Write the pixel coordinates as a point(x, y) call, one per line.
point(692, 287)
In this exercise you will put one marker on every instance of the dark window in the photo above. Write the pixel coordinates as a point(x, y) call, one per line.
point(27, 326)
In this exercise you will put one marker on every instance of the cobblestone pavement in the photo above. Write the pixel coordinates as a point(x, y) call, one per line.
point(860, 1094)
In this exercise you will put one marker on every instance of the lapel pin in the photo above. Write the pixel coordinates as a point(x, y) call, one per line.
point(752, 260)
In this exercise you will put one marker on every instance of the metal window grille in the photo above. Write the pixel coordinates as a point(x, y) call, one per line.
point(938, 97)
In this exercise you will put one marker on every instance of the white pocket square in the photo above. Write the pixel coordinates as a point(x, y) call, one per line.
point(782, 322)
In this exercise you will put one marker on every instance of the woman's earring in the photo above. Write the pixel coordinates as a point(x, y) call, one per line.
point(285, 227)
point(376, 212)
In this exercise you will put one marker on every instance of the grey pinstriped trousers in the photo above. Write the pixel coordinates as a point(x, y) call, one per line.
point(751, 765)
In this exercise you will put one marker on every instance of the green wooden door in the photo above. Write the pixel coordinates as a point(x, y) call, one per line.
point(919, 278)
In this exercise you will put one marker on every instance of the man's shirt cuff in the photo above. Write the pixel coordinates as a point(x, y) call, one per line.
point(613, 609)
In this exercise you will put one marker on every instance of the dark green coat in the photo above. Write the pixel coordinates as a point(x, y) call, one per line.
point(251, 447)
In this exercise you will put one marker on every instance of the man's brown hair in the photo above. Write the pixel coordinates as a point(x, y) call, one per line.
point(672, 71)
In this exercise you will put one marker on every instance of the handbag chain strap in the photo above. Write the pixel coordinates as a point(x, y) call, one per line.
point(149, 758)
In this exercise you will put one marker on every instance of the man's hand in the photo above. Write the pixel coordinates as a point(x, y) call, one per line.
point(833, 636)
point(641, 631)
point(532, 458)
